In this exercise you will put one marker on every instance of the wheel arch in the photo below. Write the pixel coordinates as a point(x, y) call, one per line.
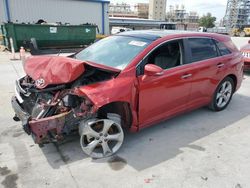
point(118, 107)
point(234, 78)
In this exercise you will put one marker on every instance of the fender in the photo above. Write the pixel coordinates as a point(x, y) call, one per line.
point(120, 89)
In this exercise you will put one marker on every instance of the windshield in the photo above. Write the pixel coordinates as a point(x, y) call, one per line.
point(114, 51)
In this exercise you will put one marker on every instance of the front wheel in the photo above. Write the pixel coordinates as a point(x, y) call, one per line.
point(101, 137)
point(223, 95)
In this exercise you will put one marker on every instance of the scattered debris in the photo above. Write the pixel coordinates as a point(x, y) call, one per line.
point(148, 180)
point(204, 178)
point(2, 48)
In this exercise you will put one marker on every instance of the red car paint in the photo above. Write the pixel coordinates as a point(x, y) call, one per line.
point(245, 50)
point(154, 99)
point(151, 98)
point(53, 70)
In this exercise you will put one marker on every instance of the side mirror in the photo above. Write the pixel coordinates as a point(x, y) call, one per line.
point(153, 70)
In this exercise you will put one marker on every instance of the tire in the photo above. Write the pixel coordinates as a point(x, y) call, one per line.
point(242, 34)
point(101, 137)
point(222, 95)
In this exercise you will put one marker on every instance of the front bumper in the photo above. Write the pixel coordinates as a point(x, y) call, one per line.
point(21, 114)
point(43, 130)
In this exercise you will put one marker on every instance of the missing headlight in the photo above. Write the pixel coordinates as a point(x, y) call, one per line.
point(71, 101)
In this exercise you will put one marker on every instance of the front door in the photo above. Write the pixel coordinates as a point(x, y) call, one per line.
point(163, 96)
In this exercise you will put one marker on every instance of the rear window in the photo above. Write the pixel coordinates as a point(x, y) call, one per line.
point(202, 48)
point(223, 49)
point(231, 46)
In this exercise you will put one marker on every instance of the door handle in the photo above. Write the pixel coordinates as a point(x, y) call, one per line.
point(185, 76)
point(219, 65)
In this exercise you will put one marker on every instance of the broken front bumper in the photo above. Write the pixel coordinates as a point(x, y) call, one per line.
point(43, 130)
point(21, 114)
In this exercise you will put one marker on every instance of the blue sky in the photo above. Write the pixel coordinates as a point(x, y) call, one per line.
point(216, 7)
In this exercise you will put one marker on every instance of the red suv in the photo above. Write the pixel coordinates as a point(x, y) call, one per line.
point(128, 81)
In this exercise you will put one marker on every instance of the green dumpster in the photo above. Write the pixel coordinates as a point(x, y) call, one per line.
point(49, 36)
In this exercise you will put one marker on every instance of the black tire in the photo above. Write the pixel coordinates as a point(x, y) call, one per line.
point(215, 104)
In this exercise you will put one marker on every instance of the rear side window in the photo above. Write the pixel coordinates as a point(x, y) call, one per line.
point(202, 48)
point(223, 49)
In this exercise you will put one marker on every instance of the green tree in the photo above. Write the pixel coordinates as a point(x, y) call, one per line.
point(207, 21)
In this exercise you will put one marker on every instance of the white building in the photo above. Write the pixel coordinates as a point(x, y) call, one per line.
point(157, 9)
point(64, 11)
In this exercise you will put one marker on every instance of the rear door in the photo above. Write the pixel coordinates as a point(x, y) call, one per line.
point(208, 68)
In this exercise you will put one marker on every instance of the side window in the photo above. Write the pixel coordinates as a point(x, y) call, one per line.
point(167, 56)
point(202, 48)
point(223, 49)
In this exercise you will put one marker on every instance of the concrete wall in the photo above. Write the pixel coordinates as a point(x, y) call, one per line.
point(65, 11)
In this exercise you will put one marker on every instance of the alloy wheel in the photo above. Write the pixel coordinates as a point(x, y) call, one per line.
point(100, 137)
point(224, 94)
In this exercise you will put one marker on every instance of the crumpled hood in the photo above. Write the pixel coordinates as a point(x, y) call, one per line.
point(48, 70)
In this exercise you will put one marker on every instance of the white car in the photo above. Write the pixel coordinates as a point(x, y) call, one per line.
point(116, 30)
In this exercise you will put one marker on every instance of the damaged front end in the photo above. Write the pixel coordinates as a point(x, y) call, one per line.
point(51, 111)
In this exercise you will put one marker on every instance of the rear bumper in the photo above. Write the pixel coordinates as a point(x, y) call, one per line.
point(43, 130)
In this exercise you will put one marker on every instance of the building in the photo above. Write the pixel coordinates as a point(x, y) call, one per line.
point(184, 21)
point(142, 10)
point(121, 10)
point(139, 10)
point(157, 9)
point(64, 11)
point(139, 23)
point(237, 13)
point(177, 13)
point(193, 17)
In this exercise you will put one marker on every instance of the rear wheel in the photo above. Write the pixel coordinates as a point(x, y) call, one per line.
point(223, 95)
point(101, 137)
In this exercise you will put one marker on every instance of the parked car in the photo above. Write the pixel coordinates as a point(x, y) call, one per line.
point(245, 50)
point(116, 30)
point(128, 81)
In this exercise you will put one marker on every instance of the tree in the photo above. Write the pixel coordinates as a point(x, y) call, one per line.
point(207, 21)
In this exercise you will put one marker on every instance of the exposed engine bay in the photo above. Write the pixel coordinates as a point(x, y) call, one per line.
point(51, 112)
